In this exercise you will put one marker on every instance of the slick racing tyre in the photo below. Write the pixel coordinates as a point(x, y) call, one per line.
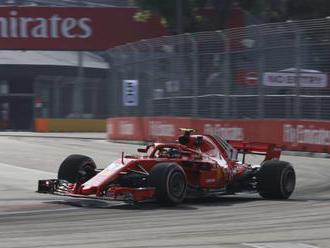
point(77, 169)
point(276, 180)
point(170, 182)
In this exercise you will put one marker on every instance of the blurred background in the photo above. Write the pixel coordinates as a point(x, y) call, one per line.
point(220, 59)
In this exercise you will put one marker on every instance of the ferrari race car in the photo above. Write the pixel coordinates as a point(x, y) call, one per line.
point(193, 166)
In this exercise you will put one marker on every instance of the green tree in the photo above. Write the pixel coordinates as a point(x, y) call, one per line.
point(167, 10)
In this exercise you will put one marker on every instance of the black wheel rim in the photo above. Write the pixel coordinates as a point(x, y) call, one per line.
point(177, 184)
point(289, 181)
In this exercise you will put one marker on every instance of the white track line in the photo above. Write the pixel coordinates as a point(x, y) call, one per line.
point(279, 245)
point(17, 176)
point(36, 211)
point(26, 169)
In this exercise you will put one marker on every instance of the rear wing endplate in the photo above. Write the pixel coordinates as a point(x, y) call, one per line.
point(270, 151)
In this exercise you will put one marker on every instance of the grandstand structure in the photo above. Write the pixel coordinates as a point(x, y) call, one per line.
point(62, 81)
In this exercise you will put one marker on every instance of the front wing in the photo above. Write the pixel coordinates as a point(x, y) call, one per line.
point(116, 193)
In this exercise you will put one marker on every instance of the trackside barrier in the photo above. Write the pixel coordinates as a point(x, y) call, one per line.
point(125, 128)
point(295, 135)
point(69, 125)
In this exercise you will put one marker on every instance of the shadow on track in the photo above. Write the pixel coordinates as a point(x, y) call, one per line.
point(189, 204)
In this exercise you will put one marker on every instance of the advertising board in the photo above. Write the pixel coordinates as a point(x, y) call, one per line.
point(290, 79)
point(72, 28)
point(297, 135)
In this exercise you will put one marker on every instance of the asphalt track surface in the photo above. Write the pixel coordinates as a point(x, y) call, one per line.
point(28, 219)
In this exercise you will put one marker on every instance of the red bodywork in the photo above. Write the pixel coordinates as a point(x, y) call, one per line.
point(210, 166)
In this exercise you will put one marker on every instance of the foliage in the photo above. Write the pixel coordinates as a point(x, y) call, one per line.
point(260, 10)
point(167, 10)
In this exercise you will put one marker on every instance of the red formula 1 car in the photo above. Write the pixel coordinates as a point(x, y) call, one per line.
point(194, 166)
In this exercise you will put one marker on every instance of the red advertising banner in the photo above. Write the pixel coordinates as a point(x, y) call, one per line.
point(164, 129)
point(125, 128)
point(72, 28)
point(297, 135)
point(306, 135)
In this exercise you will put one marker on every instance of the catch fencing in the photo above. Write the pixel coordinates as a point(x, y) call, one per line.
point(278, 70)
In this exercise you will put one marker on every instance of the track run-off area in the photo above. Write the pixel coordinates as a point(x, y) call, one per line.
point(32, 220)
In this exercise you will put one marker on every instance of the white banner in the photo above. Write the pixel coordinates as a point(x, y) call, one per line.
point(288, 79)
point(130, 92)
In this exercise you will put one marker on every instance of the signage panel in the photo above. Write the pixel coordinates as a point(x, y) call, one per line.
point(289, 79)
point(130, 92)
point(72, 28)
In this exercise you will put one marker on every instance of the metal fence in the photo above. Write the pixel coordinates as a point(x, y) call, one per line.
point(70, 97)
point(76, 88)
point(278, 70)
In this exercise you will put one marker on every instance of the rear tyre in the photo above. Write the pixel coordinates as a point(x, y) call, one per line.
point(77, 169)
point(170, 182)
point(276, 180)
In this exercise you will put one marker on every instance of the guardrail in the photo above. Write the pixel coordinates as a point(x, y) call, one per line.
point(45, 125)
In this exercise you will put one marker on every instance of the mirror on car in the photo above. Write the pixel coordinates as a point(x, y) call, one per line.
point(142, 150)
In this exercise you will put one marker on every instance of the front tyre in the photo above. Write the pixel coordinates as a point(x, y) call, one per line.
point(77, 169)
point(170, 182)
point(276, 180)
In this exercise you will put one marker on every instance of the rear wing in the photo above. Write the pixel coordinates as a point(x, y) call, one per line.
point(270, 151)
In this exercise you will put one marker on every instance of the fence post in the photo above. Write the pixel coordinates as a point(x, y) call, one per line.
point(260, 73)
point(121, 66)
point(195, 76)
point(57, 96)
point(150, 94)
point(78, 87)
point(227, 71)
point(136, 110)
point(298, 71)
point(173, 59)
point(113, 103)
